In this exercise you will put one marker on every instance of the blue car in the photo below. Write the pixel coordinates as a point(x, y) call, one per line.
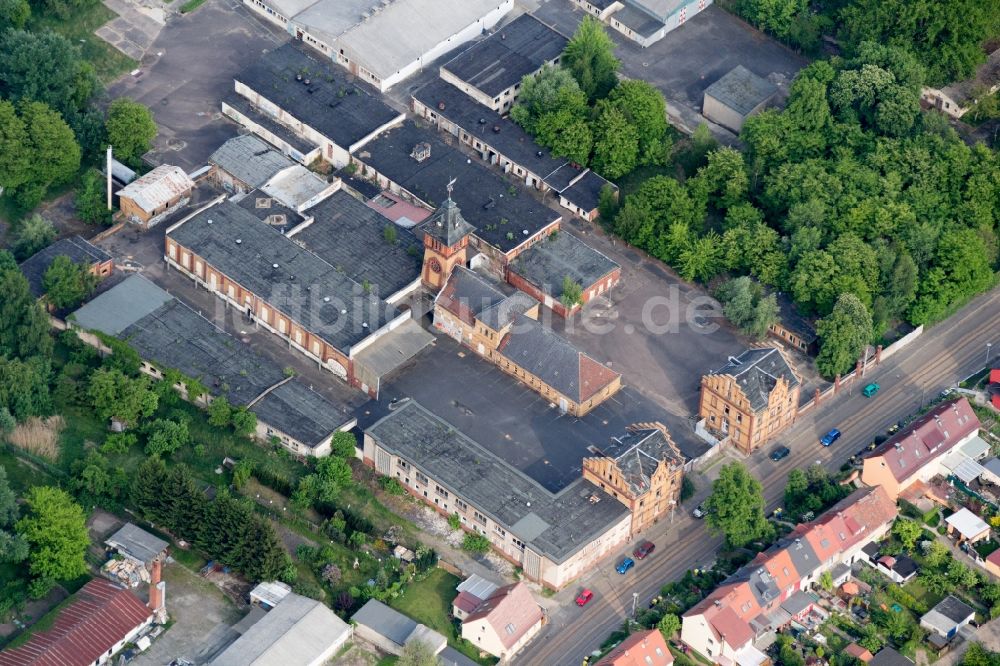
point(830, 437)
point(625, 565)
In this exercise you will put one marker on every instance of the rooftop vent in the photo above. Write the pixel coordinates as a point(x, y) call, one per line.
point(594, 499)
point(326, 299)
point(496, 129)
point(274, 266)
point(239, 241)
point(364, 324)
point(421, 151)
point(298, 77)
point(524, 231)
point(735, 361)
point(539, 153)
point(209, 220)
point(482, 121)
point(306, 81)
point(440, 106)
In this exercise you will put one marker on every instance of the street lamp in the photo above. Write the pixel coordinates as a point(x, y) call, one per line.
point(635, 599)
point(989, 345)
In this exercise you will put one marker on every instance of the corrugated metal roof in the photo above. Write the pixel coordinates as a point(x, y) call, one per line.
point(158, 187)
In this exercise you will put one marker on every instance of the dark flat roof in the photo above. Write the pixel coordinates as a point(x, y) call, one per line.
point(363, 187)
point(502, 59)
point(301, 284)
point(249, 159)
point(638, 20)
point(586, 192)
point(263, 206)
point(555, 525)
point(513, 421)
point(741, 90)
point(546, 263)
point(300, 412)
point(483, 196)
point(78, 249)
point(350, 236)
point(243, 105)
point(332, 103)
point(480, 121)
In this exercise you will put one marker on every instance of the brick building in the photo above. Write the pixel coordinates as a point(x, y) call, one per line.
point(750, 399)
point(151, 197)
point(78, 249)
point(643, 469)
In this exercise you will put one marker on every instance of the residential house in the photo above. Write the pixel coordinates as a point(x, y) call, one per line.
point(768, 593)
point(643, 469)
point(391, 631)
point(77, 249)
point(167, 334)
point(147, 200)
point(900, 569)
point(281, 287)
point(305, 107)
point(490, 71)
point(471, 592)
point(947, 617)
point(643, 648)
point(297, 630)
point(504, 144)
point(736, 96)
point(413, 162)
point(96, 623)
point(957, 99)
point(889, 657)
point(554, 537)
point(645, 22)
point(503, 622)
point(245, 163)
point(967, 526)
point(543, 270)
point(992, 563)
point(915, 452)
point(792, 328)
point(752, 398)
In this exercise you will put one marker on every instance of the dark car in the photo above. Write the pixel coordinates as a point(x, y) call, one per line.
point(645, 548)
point(780, 453)
point(584, 597)
point(830, 437)
point(625, 565)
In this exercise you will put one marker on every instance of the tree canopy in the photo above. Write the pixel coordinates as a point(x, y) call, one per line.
point(736, 507)
point(24, 326)
point(590, 57)
point(843, 335)
point(13, 547)
point(117, 396)
point(55, 528)
point(91, 199)
point(66, 283)
point(130, 129)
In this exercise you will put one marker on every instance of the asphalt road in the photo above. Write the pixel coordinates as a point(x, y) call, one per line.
point(915, 375)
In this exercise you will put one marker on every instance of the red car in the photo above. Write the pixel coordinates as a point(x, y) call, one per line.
point(645, 548)
point(584, 598)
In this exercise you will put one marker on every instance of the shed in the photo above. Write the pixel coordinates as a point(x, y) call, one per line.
point(137, 544)
point(269, 594)
point(947, 617)
point(390, 630)
point(735, 97)
point(992, 471)
point(968, 525)
point(148, 199)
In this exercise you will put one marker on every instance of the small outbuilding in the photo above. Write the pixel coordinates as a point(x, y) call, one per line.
point(947, 617)
point(150, 198)
point(391, 631)
point(137, 544)
point(967, 526)
point(735, 97)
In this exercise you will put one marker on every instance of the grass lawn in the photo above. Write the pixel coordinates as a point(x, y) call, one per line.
point(22, 474)
point(429, 602)
point(921, 593)
point(79, 28)
point(388, 660)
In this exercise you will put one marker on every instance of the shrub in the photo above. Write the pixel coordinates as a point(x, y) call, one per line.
point(455, 521)
point(476, 543)
point(391, 485)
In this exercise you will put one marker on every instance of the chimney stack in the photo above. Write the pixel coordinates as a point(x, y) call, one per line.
point(158, 593)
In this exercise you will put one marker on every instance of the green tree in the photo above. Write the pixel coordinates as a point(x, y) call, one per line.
point(91, 199)
point(24, 387)
point(826, 581)
point(843, 335)
point(33, 234)
point(646, 110)
point(130, 129)
point(702, 259)
point(164, 436)
point(14, 14)
point(417, 653)
point(669, 625)
point(120, 397)
point(736, 507)
point(54, 152)
point(95, 480)
point(550, 90)
point(55, 528)
point(590, 57)
point(723, 181)
point(244, 421)
point(344, 445)
point(571, 293)
point(220, 414)
point(13, 547)
point(977, 655)
point(908, 531)
point(15, 159)
point(24, 326)
point(567, 134)
point(476, 543)
point(66, 284)
point(616, 143)
point(773, 16)
point(962, 269)
point(607, 204)
point(45, 67)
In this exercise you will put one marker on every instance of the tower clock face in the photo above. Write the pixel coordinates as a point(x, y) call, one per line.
point(435, 265)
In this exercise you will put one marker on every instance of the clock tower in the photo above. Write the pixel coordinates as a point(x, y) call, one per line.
point(446, 237)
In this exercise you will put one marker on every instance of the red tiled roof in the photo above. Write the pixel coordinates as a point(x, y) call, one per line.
point(99, 616)
point(995, 376)
point(508, 605)
point(730, 628)
point(466, 602)
point(994, 558)
point(858, 652)
point(927, 438)
point(645, 648)
point(594, 377)
point(996, 401)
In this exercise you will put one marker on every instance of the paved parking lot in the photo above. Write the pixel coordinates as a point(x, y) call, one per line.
point(692, 57)
point(201, 52)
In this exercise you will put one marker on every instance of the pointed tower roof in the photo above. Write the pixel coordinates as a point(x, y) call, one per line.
point(446, 224)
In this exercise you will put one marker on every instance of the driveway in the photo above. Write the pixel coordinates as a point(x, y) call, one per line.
point(690, 58)
point(186, 73)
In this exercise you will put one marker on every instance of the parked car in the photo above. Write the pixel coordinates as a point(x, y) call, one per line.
point(645, 548)
point(830, 437)
point(870, 390)
point(699, 511)
point(584, 597)
point(893, 429)
point(625, 565)
point(780, 453)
